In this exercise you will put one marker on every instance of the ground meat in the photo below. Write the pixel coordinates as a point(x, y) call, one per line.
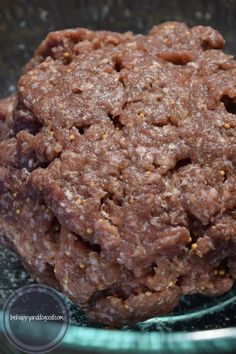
point(118, 168)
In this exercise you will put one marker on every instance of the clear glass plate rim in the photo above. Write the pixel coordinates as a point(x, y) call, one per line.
point(109, 340)
point(176, 342)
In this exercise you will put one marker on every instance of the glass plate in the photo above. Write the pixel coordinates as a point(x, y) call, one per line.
point(199, 322)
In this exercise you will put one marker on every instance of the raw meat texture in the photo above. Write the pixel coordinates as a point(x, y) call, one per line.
point(118, 168)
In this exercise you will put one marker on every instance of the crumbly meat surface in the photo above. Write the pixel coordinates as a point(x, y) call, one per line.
point(118, 168)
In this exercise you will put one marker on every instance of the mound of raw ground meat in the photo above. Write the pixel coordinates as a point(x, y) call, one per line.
point(118, 168)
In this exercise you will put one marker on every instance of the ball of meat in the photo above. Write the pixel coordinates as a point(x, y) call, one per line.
point(118, 168)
